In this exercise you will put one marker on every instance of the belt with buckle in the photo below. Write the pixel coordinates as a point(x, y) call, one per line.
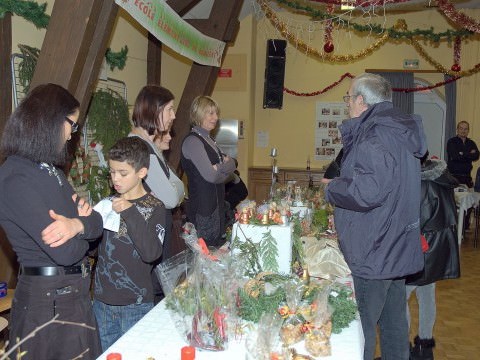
point(55, 270)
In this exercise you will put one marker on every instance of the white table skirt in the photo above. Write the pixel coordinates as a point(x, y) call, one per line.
point(156, 336)
point(465, 200)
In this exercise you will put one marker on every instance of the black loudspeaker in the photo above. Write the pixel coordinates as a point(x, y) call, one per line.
point(274, 74)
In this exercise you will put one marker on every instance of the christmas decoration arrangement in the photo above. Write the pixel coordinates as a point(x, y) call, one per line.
point(216, 295)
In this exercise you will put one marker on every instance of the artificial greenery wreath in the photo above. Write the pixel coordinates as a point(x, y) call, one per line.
point(108, 117)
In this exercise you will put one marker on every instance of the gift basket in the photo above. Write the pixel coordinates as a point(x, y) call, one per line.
point(201, 294)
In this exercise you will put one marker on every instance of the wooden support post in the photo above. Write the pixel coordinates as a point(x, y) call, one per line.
point(5, 70)
point(74, 46)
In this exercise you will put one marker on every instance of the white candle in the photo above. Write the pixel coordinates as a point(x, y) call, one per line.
point(275, 169)
point(273, 152)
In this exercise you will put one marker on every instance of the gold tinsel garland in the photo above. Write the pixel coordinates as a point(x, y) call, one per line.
point(282, 27)
point(401, 24)
point(419, 48)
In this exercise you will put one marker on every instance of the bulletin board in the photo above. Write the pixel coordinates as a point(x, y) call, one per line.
point(328, 117)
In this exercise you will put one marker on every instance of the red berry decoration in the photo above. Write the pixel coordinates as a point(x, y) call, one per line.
point(328, 47)
point(456, 67)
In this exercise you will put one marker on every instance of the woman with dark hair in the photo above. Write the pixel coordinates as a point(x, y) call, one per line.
point(49, 228)
point(153, 115)
point(207, 170)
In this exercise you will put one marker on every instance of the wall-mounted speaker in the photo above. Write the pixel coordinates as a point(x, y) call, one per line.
point(274, 74)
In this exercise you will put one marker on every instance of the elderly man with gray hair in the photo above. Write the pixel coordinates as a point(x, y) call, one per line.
point(377, 209)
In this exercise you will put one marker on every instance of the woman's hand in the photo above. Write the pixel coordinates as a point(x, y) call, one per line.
point(84, 208)
point(61, 230)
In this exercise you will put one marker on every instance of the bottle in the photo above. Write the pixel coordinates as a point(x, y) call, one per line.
point(188, 353)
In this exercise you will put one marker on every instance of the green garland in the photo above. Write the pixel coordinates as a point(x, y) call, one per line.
point(116, 59)
point(108, 118)
point(26, 67)
point(393, 33)
point(29, 10)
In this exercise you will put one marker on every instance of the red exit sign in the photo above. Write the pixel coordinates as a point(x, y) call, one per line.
point(225, 73)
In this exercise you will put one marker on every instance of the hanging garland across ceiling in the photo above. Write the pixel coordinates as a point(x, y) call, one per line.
point(457, 17)
point(325, 56)
point(393, 32)
point(309, 50)
point(348, 75)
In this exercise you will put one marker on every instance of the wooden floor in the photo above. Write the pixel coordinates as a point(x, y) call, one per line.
point(457, 329)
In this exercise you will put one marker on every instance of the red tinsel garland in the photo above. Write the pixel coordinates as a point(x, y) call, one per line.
point(459, 18)
point(315, 93)
point(405, 90)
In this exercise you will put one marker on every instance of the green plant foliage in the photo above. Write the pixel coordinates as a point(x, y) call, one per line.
point(251, 309)
point(29, 10)
point(247, 251)
point(320, 219)
point(108, 118)
point(116, 59)
point(345, 309)
point(98, 184)
point(269, 252)
point(298, 255)
point(26, 67)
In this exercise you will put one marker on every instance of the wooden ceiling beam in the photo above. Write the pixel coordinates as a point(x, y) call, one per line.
point(223, 25)
point(74, 46)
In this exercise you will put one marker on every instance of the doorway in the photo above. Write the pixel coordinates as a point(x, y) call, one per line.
point(430, 105)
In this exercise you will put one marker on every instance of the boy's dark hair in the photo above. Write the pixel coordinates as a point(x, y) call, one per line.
point(133, 150)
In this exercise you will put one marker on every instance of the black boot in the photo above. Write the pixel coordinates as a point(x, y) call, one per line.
point(423, 349)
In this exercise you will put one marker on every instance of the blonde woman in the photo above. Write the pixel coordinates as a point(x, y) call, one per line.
point(207, 169)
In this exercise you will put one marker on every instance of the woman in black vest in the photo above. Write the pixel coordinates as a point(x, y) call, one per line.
point(207, 170)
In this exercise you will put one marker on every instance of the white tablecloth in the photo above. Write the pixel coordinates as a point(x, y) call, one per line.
point(155, 336)
point(465, 200)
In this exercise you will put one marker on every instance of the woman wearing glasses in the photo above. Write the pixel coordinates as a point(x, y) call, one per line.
point(49, 228)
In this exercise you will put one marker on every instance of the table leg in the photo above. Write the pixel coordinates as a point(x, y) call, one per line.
point(477, 221)
point(461, 216)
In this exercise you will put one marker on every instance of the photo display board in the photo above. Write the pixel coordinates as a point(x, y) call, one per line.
point(328, 141)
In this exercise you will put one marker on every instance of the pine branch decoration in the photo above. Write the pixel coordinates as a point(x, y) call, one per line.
point(29, 10)
point(26, 67)
point(269, 252)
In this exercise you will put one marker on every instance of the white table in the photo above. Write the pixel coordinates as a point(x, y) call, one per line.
point(465, 200)
point(156, 336)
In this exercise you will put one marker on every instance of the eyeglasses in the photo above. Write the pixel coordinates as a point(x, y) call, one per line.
point(72, 123)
